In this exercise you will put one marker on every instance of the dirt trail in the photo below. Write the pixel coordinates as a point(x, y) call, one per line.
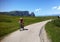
point(35, 33)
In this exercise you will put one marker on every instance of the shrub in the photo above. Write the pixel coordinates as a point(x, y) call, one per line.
point(57, 22)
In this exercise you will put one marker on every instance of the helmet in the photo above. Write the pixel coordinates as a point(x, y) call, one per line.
point(21, 18)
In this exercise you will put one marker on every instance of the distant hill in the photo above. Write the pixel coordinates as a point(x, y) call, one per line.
point(52, 15)
point(18, 13)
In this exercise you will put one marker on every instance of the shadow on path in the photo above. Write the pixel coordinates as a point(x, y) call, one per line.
point(23, 29)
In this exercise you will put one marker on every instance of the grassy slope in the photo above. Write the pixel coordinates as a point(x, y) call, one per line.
point(9, 24)
point(53, 31)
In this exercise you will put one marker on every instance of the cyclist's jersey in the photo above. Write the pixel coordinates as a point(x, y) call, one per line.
point(21, 20)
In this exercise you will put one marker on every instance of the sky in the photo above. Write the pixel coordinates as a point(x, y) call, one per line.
point(39, 7)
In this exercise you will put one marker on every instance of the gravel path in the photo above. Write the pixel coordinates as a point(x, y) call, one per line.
point(35, 33)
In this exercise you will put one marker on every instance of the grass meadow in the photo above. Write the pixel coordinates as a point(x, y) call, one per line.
point(53, 30)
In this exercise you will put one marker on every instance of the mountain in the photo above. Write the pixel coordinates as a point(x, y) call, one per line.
point(18, 13)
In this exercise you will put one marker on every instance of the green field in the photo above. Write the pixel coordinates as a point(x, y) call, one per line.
point(9, 24)
point(53, 30)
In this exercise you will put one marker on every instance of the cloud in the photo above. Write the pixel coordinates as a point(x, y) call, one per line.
point(56, 7)
point(37, 10)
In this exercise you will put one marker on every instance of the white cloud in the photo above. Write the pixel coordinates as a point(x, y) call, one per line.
point(37, 10)
point(56, 7)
